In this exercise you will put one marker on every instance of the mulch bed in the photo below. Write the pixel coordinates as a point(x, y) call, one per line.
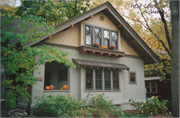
point(159, 115)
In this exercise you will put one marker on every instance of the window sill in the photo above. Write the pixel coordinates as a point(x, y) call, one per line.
point(56, 90)
point(99, 51)
point(101, 91)
point(132, 83)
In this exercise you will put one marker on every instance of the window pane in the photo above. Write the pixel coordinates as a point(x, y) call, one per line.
point(106, 43)
point(106, 34)
point(148, 90)
point(115, 80)
point(107, 80)
point(114, 43)
point(89, 79)
point(98, 36)
point(153, 89)
point(147, 83)
point(98, 41)
point(114, 36)
point(98, 79)
point(132, 78)
point(153, 83)
point(88, 35)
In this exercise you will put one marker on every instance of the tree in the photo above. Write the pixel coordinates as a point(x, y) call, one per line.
point(18, 60)
point(174, 5)
point(11, 10)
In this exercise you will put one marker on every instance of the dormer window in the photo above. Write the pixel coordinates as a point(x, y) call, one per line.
point(101, 36)
point(97, 36)
point(89, 35)
point(106, 38)
point(114, 39)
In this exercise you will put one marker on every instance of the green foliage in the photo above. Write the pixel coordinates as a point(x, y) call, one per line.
point(59, 106)
point(151, 107)
point(18, 60)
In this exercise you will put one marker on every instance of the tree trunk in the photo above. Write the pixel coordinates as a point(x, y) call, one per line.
point(175, 58)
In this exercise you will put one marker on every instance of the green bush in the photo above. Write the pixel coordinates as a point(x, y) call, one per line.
point(59, 106)
point(151, 107)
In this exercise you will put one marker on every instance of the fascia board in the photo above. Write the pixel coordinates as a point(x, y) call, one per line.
point(74, 20)
point(129, 29)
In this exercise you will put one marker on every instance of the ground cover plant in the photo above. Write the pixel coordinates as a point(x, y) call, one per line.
point(153, 106)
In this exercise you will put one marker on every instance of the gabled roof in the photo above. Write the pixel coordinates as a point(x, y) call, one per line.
point(127, 31)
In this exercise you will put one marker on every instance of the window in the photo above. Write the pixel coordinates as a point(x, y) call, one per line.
point(132, 77)
point(151, 86)
point(107, 79)
point(102, 80)
point(115, 80)
point(106, 38)
point(89, 79)
point(98, 36)
point(101, 36)
point(56, 74)
point(114, 39)
point(89, 35)
point(98, 79)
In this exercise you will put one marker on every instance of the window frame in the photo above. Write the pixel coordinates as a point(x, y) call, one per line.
point(150, 87)
point(130, 77)
point(92, 38)
point(102, 35)
point(103, 80)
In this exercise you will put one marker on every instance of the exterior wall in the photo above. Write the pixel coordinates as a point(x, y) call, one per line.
point(77, 80)
point(68, 37)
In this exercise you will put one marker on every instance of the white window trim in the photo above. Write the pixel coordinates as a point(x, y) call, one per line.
point(135, 77)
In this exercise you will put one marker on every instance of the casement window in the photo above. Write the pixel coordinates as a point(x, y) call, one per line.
point(102, 80)
point(56, 74)
point(98, 36)
point(151, 86)
point(106, 38)
point(115, 80)
point(101, 36)
point(114, 39)
point(89, 79)
point(89, 35)
point(132, 77)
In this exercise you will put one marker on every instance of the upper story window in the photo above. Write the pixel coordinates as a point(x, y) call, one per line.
point(106, 38)
point(98, 36)
point(89, 35)
point(101, 36)
point(114, 39)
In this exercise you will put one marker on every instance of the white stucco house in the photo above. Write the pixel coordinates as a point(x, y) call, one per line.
point(118, 73)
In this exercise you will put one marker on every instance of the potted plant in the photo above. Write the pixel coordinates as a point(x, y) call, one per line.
point(96, 45)
point(104, 47)
point(111, 47)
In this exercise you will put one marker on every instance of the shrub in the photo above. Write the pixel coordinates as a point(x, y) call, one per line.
point(151, 107)
point(59, 106)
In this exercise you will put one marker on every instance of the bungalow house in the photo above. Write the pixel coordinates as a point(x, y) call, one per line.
point(118, 73)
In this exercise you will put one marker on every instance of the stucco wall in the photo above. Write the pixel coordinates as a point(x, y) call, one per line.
point(76, 79)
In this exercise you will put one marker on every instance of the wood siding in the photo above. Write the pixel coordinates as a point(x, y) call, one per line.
point(68, 37)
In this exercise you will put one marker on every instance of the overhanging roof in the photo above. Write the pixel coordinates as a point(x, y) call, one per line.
point(80, 62)
point(127, 31)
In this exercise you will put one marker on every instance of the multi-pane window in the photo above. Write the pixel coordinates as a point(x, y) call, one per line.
point(97, 36)
point(89, 35)
point(151, 86)
point(89, 79)
point(102, 80)
point(101, 36)
point(115, 80)
point(114, 39)
point(132, 77)
point(106, 38)
point(98, 79)
point(107, 79)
